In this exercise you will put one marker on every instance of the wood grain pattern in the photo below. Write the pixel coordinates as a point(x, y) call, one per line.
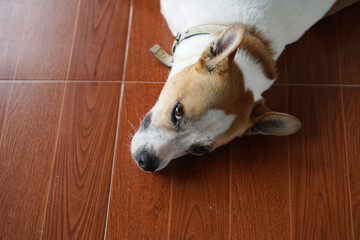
point(260, 181)
point(282, 68)
point(352, 130)
point(12, 18)
point(313, 58)
point(348, 33)
point(200, 199)
point(26, 154)
point(148, 28)
point(139, 203)
point(55, 175)
point(79, 189)
point(99, 47)
point(47, 39)
point(319, 181)
point(5, 89)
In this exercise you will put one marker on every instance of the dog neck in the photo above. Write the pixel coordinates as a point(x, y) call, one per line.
point(281, 21)
point(254, 57)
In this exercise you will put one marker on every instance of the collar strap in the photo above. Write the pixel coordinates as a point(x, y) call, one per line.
point(167, 59)
point(197, 30)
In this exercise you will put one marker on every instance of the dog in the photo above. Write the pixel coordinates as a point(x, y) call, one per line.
point(223, 60)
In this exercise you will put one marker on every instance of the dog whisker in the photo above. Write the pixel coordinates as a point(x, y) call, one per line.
point(132, 126)
point(128, 139)
point(137, 114)
point(130, 135)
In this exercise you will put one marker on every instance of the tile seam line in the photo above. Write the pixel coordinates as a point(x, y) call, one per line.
point(344, 130)
point(58, 81)
point(230, 190)
point(119, 114)
point(316, 85)
point(347, 163)
point(75, 81)
point(288, 150)
point(145, 82)
point(53, 159)
point(60, 116)
point(289, 182)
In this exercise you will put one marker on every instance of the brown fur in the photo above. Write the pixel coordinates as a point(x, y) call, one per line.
point(216, 82)
point(224, 90)
point(259, 48)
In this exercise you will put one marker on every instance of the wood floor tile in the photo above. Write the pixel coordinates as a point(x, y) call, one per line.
point(200, 199)
point(57, 167)
point(12, 18)
point(320, 204)
point(139, 203)
point(26, 153)
point(47, 39)
point(260, 181)
point(348, 33)
point(313, 58)
point(79, 190)
point(351, 116)
point(148, 28)
point(282, 68)
point(99, 47)
point(5, 89)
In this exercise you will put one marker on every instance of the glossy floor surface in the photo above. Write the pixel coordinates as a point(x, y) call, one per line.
point(74, 76)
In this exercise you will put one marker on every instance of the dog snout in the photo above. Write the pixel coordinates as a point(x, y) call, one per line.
point(148, 161)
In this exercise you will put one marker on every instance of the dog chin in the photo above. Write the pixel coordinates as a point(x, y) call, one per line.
point(166, 162)
point(162, 165)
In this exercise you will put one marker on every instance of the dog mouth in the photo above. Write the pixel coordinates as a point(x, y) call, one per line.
point(165, 163)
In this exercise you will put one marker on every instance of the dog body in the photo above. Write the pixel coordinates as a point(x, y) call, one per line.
point(213, 93)
point(281, 22)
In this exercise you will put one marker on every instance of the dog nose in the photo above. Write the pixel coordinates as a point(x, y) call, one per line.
point(148, 162)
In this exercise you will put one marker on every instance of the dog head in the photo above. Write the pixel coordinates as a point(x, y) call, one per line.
point(205, 106)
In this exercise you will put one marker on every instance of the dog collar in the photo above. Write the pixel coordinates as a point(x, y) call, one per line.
point(166, 58)
point(197, 30)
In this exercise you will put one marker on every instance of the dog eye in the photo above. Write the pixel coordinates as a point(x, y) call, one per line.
point(178, 113)
point(200, 150)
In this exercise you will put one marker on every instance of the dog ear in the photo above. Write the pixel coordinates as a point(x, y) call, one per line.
point(267, 122)
point(219, 53)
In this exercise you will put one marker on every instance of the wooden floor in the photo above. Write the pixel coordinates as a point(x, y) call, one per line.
point(75, 74)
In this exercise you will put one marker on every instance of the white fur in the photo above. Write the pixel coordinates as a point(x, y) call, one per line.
point(188, 52)
point(170, 144)
point(280, 21)
point(256, 80)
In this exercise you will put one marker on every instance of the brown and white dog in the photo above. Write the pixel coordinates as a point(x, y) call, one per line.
point(213, 93)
